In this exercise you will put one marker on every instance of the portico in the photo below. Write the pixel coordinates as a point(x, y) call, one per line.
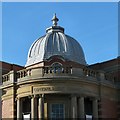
point(37, 110)
point(45, 99)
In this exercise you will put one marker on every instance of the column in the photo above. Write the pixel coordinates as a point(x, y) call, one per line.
point(95, 108)
point(74, 107)
point(81, 107)
point(19, 109)
point(41, 107)
point(33, 107)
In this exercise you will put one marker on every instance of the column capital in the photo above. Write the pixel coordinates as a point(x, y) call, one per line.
point(36, 96)
point(32, 96)
point(80, 96)
point(40, 95)
point(17, 98)
point(74, 95)
point(95, 98)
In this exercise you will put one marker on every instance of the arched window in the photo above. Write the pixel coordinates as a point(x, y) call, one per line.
point(56, 67)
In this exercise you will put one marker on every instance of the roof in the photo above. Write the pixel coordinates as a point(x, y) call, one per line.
point(55, 42)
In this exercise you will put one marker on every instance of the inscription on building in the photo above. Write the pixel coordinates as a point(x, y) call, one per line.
point(43, 89)
point(38, 90)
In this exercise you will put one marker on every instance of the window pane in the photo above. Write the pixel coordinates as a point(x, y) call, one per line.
point(61, 111)
point(57, 111)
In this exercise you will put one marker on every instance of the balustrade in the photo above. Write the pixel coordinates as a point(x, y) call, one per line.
point(110, 77)
point(8, 78)
point(49, 70)
point(5, 77)
point(23, 73)
point(90, 72)
point(56, 70)
point(45, 70)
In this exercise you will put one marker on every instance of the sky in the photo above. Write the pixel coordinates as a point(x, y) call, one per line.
point(93, 24)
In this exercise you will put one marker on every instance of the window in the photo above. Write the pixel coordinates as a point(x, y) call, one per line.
point(57, 111)
point(57, 67)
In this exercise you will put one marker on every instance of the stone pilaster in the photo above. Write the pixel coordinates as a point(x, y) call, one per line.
point(41, 107)
point(33, 107)
point(81, 108)
point(95, 108)
point(19, 108)
point(73, 106)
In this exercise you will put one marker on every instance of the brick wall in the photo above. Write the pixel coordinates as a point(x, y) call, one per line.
point(6, 67)
point(107, 108)
point(111, 69)
point(8, 108)
point(118, 107)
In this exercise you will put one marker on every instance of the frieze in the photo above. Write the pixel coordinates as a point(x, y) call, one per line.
point(37, 90)
point(61, 89)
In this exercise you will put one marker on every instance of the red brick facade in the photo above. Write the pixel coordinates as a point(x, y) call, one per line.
point(110, 68)
point(108, 108)
point(6, 67)
point(7, 105)
point(8, 108)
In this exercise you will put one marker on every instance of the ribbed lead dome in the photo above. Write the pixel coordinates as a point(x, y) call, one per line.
point(55, 42)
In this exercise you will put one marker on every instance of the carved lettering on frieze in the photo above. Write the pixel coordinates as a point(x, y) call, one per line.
point(39, 89)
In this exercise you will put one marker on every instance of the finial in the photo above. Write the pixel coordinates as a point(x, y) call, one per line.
point(55, 20)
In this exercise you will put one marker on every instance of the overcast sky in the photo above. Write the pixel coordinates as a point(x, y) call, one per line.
point(93, 25)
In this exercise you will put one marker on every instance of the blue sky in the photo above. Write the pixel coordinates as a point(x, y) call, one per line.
point(93, 25)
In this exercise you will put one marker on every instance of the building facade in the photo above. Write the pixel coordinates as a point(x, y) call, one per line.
point(6, 68)
point(57, 83)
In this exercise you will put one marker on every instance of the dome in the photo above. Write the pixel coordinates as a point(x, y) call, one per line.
point(55, 42)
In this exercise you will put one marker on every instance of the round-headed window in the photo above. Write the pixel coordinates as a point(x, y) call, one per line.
point(57, 67)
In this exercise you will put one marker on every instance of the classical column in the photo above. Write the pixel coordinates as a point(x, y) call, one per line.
point(41, 107)
point(19, 109)
point(95, 108)
point(74, 106)
point(81, 107)
point(33, 107)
